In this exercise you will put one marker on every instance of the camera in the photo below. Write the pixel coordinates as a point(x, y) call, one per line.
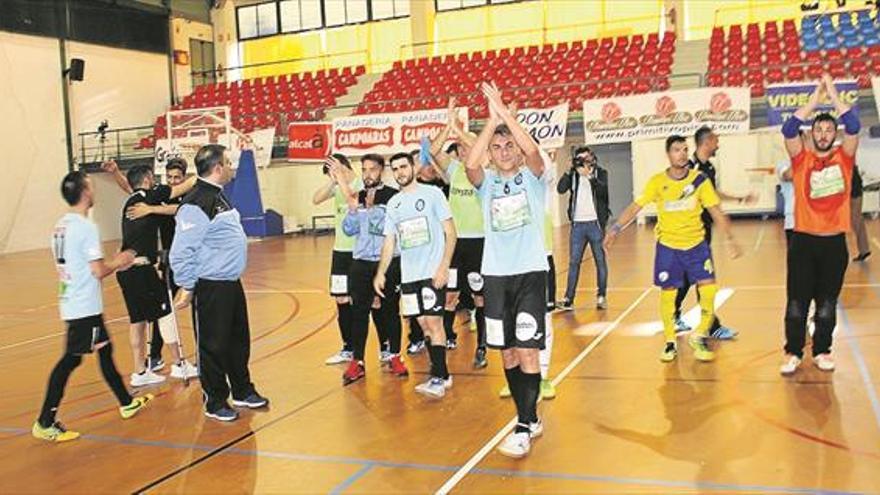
point(578, 162)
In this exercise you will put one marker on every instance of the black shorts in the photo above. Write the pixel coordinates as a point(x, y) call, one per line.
point(146, 296)
point(339, 268)
point(857, 189)
point(515, 309)
point(83, 334)
point(420, 298)
point(464, 271)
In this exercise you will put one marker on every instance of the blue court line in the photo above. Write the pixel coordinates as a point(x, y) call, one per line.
point(350, 480)
point(861, 365)
point(860, 359)
point(369, 464)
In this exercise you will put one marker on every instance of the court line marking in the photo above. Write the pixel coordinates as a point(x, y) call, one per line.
point(114, 320)
point(760, 237)
point(374, 463)
point(862, 366)
point(875, 242)
point(490, 445)
point(351, 479)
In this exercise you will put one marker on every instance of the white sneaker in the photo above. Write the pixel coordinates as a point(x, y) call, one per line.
point(340, 357)
point(473, 322)
point(516, 445)
point(790, 365)
point(536, 429)
point(434, 387)
point(601, 302)
point(146, 378)
point(824, 362)
point(447, 383)
point(184, 370)
point(385, 357)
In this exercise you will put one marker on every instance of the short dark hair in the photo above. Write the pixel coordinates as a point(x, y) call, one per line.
point(342, 159)
point(398, 156)
point(176, 164)
point(453, 148)
point(374, 157)
point(675, 138)
point(702, 134)
point(581, 149)
point(824, 117)
point(137, 174)
point(209, 156)
point(72, 187)
point(502, 130)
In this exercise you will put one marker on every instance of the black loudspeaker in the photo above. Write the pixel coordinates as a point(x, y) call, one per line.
point(77, 69)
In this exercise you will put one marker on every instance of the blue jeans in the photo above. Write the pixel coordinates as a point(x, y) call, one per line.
point(581, 234)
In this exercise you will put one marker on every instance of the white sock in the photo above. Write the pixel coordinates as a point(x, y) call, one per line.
point(544, 354)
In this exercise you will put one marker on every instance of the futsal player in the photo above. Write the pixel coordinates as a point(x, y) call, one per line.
point(817, 257)
point(80, 264)
point(419, 222)
point(146, 296)
point(514, 267)
point(464, 272)
point(365, 221)
point(680, 195)
point(341, 259)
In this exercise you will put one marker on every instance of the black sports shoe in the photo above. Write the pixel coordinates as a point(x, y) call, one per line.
point(565, 305)
point(451, 344)
point(155, 364)
point(480, 360)
point(252, 401)
point(224, 413)
point(862, 257)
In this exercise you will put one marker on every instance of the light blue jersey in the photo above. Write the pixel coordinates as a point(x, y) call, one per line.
point(787, 189)
point(75, 244)
point(416, 219)
point(513, 213)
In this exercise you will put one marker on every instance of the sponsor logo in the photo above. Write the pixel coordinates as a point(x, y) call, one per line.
point(413, 134)
point(429, 298)
point(663, 276)
point(526, 327)
point(707, 266)
point(364, 137)
point(475, 281)
point(420, 204)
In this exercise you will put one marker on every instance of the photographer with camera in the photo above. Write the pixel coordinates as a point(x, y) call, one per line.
point(588, 212)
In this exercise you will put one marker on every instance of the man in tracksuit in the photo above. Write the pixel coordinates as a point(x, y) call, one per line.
point(208, 257)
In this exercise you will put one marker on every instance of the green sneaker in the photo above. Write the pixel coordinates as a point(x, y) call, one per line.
point(55, 433)
point(669, 353)
point(548, 391)
point(135, 407)
point(701, 350)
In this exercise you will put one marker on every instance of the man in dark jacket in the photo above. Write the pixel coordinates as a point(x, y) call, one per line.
point(588, 212)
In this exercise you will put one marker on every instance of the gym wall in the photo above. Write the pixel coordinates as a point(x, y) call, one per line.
point(32, 133)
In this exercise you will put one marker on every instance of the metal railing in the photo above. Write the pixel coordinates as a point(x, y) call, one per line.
point(324, 58)
point(117, 144)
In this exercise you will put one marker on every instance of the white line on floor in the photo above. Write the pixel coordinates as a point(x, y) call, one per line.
point(483, 452)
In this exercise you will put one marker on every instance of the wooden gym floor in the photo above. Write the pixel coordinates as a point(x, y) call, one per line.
point(622, 422)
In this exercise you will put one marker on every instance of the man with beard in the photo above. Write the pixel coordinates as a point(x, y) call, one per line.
point(681, 194)
point(419, 221)
point(706, 142)
point(365, 221)
point(817, 256)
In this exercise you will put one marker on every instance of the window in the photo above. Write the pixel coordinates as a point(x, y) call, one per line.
point(390, 9)
point(446, 5)
point(257, 20)
point(300, 15)
point(341, 12)
point(292, 16)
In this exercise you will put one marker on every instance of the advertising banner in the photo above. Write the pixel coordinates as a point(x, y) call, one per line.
point(653, 115)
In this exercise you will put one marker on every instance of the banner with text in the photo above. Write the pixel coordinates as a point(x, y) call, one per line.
point(388, 132)
point(653, 115)
point(261, 141)
point(547, 125)
point(308, 141)
point(784, 99)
